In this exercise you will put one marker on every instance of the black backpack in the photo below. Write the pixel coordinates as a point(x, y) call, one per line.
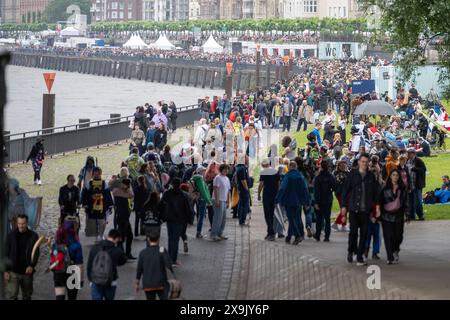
point(102, 268)
point(430, 198)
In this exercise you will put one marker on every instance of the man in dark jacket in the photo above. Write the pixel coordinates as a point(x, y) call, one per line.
point(359, 195)
point(324, 186)
point(69, 198)
point(152, 268)
point(20, 264)
point(122, 194)
point(176, 211)
point(118, 258)
point(417, 172)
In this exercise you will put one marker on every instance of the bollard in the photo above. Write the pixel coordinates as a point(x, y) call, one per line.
point(83, 123)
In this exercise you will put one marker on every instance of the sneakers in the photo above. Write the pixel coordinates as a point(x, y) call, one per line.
point(223, 237)
point(131, 257)
point(309, 232)
point(350, 258)
point(288, 240)
point(281, 236)
point(345, 229)
point(39, 182)
point(185, 247)
point(335, 227)
point(297, 240)
point(361, 263)
point(390, 262)
point(422, 219)
point(326, 240)
point(375, 257)
point(35, 181)
point(396, 256)
point(271, 238)
point(216, 239)
point(199, 236)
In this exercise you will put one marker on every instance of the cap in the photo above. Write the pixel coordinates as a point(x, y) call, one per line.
point(200, 169)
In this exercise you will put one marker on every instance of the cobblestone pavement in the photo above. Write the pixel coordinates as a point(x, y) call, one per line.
point(318, 270)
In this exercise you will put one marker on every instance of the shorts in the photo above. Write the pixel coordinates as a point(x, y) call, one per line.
point(60, 279)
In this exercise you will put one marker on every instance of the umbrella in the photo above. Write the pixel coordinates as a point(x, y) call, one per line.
point(375, 107)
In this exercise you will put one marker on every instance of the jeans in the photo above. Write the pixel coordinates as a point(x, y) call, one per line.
point(138, 228)
point(416, 206)
point(295, 222)
point(24, 282)
point(373, 231)
point(151, 295)
point(309, 216)
point(269, 213)
point(323, 215)
point(286, 123)
point(359, 221)
point(219, 219)
point(174, 231)
point(102, 292)
point(201, 211)
point(262, 117)
point(223, 118)
point(300, 122)
point(204, 115)
point(183, 233)
point(277, 226)
point(393, 236)
point(276, 123)
point(243, 206)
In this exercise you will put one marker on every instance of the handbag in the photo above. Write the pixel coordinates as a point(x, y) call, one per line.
point(234, 198)
point(174, 285)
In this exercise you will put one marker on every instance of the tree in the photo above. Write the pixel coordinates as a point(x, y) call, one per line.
point(29, 17)
point(39, 17)
point(413, 27)
point(34, 16)
point(56, 10)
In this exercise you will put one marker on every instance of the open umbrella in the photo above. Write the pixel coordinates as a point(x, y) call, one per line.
point(375, 107)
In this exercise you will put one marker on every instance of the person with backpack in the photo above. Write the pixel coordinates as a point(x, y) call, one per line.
point(242, 180)
point(203, 197)
point(36, 156)
point(153, 264)
point(97, 201)
point(172, 115)
point(225, 109)
point(104, 258)
point(150, 134)
point(66, 252)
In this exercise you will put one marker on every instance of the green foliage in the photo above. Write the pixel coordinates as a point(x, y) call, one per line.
point(412, 26)
point(34, 27)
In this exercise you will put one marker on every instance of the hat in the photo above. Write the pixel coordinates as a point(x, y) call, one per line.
point(411, 150)
point(200, 169)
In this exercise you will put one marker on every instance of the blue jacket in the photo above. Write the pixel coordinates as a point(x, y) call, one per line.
point(317, 134)
point(294, 190)
point(225, 106)
point(150, 137)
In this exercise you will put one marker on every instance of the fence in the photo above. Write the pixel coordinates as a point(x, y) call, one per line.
point(83, 135)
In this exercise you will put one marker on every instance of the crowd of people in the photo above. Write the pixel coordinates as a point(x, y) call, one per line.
point(376, 175)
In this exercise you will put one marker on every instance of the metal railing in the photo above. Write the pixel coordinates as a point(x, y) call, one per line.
point(83, 135)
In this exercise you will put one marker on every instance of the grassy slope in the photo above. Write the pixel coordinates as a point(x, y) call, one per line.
point(437, 166)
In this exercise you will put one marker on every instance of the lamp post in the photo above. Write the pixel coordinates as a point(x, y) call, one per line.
point(258, 63)
point(4, 59)
point(229, 81)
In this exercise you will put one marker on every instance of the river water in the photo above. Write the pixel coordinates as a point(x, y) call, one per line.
point(84, 96)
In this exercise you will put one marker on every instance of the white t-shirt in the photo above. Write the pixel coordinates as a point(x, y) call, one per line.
point(223, 185)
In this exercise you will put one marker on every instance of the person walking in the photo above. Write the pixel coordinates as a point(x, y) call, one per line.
point(160, 137)
point(176, 211)
point(153, 263)
point(269, 183)
point(242, 180)
point(340, 175)
point(123, 193)
point(293, 195)
point(68, 199)
point(66, 253)
point(222, 189)
point(203, 197)
point(324, 186)
point(172, 113)
point(360, 193)
point(137, 139)
point(394, 210)
point(141, 194)
point(302, 116)
point(36, 156)
point(417, 173)
point(21, 264)
point(104, 258)
point(287, 110)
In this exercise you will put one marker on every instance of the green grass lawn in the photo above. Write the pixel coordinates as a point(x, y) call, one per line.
point(437, 166)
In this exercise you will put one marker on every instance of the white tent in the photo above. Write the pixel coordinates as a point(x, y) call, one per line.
point(70, 31)
point(135, 42)
point(163, 43)
point(211, 46)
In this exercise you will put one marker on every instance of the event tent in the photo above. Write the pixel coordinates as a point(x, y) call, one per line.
point(211, 46)
point(163, 43)
point(70, 31)
point(135, 42)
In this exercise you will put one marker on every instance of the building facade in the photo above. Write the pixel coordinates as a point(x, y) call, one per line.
point(210, 9)
point(116, 10)
point(180, 10)
point(266, 9)
point(232, 9)
point(22, 11)
point(292, 9)
point(194, 10)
